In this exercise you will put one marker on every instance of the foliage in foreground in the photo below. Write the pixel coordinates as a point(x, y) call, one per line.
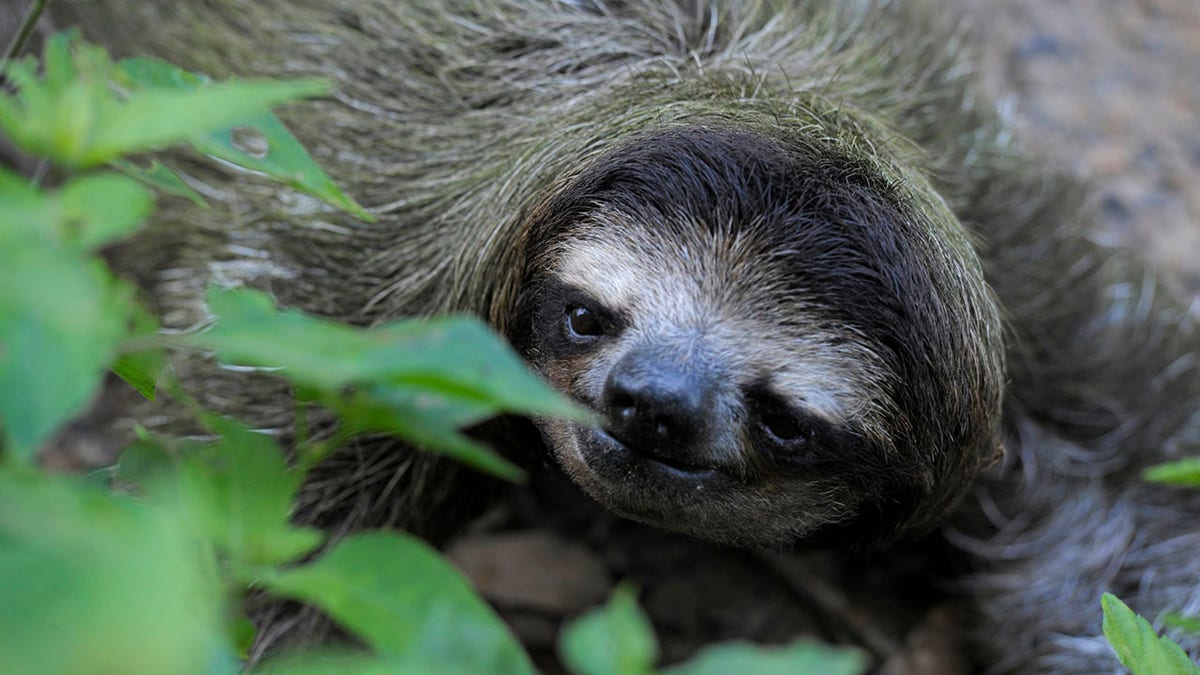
point(149, 579)
point(1139, 646)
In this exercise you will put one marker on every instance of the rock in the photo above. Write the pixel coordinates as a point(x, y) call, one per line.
point(533, 569)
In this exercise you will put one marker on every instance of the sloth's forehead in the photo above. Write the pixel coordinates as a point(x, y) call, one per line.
point(690, 273)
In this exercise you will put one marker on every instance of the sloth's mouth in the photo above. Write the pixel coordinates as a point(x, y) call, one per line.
point(606, 454)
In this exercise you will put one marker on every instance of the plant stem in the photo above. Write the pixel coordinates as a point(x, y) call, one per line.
point(23, 35)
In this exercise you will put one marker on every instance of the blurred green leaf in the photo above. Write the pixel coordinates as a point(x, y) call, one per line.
point(1185, 473)
point(27, 212)
point(148, 464)
point(160, 177)
point(459, 356)
point(77, 118)
point(1138, 646)
point(10, 110)
point(397, 594)
point(145, 73)
point(101, 208)
point(62, 316)
point(264, 144)
point(800, 657)
point(260, 142)
point(53, 115)
point(421, 379)
point(235, 490)
point(152, 119)
point(88, 212)
point(241, 635)
point(142, 368)
point(430, 419)
point(616, 639)
point(240, 492)
point(59, 65)
point(1190, 624)
point(101, 584)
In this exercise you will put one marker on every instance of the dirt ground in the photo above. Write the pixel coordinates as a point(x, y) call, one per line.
point(1109, 89)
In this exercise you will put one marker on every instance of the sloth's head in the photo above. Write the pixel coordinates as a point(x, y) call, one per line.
point(778, 337)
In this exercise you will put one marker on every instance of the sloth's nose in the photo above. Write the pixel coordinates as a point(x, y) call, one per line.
point(658, 404)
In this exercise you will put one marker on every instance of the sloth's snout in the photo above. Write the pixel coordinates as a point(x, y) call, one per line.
point(658, 405)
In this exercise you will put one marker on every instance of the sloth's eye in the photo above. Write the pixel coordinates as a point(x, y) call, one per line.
point(583, 323)
point(784, 428)
point(781, 424)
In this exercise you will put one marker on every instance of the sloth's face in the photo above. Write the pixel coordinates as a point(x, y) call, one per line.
point(774, 339)
point(731, 408)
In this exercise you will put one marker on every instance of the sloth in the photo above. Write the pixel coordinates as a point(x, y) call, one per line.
point(801, 270)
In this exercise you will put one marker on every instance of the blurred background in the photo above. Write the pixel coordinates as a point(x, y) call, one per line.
point(1110, 89)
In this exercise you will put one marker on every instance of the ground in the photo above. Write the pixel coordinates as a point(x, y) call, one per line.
point(1110, 89)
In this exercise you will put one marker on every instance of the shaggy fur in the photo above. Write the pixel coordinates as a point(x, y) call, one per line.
point(456, 121)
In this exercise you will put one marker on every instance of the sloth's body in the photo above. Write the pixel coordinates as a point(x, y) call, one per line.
point(770, 244)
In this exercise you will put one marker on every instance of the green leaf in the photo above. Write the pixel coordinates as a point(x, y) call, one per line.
point(460, 356)
point(62, 316)
point(397, 594)
point(241, 635)
point(422, 380)
point(102, 208)
point(59, 64)
point(27, 212)
point(142, 368)
point(144, 73)
point(61, 111)
point(1189, 624)
point(101, 584)
point(55, 116)
point(87, 213)
point(264, 144)
point(614, 640)
point(240, 493)
point(1138, 646)
point(148, 463)
point(75, 116)
point(1185, 473)
point(151, 119)
point(260, 143)
point(803, 656)
point(429, 419)
point(236, 491)
point(160, 177)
